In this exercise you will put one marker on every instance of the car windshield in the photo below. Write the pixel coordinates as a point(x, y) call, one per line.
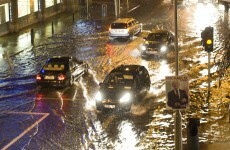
point(118, 25)
point(54, 66)
point(161, 37)
point(119, 79)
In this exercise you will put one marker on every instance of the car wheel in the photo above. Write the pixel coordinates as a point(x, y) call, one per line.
point(86, 69)
point(99, 108)
point(139, 32)
point(111, 39)
point(131, 37)
point(71, 80)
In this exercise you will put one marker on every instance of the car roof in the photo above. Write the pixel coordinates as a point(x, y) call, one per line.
point(59, 58)
point(123, 20)
point(130, 69)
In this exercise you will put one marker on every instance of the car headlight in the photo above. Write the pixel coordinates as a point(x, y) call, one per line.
point(143, 47)
point(163, 48)
point(98, 96)
point(125, 98)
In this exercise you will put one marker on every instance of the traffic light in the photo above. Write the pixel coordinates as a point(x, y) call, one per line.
point(207, 39)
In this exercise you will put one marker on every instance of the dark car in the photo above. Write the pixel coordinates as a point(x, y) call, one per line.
point(158, 42)
point(61, 71)
point(122, 87)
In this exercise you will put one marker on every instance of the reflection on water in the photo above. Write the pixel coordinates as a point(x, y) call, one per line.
point(158, 76)
point(205, 15)
point(127, 135)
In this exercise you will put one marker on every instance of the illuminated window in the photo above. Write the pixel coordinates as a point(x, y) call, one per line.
point(35, 5)
point(49, 3)
point(58, 1)
point(4, 13)
point(23, 8)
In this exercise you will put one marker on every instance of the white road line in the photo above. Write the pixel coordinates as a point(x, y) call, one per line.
point(134, 8)
point(28, 129)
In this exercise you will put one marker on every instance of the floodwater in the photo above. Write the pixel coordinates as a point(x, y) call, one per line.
point(73, 121)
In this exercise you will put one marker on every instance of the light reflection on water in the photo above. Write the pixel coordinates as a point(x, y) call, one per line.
point(127, 135)
point(158, 75)
point(204, 15)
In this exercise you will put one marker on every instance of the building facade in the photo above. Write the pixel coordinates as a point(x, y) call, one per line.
point(17, 14)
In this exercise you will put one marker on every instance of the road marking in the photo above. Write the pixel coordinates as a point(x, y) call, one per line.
point(134, 8)
point(28, 129)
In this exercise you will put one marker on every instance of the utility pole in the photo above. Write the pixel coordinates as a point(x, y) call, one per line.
point(115, 5)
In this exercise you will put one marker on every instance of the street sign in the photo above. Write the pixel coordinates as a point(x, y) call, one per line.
point(177, 92)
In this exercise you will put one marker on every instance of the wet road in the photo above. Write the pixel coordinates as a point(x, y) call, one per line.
point(40, 118)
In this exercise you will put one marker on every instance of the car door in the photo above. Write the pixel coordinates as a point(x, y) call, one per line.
point(79, 69)
point(137, 26)
point(145, 80)
point(131, 28)
point(72, 68)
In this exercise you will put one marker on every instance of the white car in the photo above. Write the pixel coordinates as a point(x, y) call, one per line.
point(124, 28)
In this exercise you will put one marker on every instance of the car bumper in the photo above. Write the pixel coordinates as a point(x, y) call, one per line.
point(112, 36)
point(153, 51)
point(53, 83)
point(113, 105)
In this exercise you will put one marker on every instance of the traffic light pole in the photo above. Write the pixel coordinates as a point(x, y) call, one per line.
point(177, 118)
point(209, 78)
point(207, 42)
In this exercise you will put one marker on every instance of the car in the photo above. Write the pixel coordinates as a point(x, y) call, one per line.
point(124, 28)
point(158, 42)
point(122, 87)
point(60, 71)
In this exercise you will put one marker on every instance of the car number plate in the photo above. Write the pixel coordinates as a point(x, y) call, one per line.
point(49, 77)
point(119, 31)
point(109, 106)
point(152, 52)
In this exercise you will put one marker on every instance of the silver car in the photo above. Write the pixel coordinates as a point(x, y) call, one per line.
point(124, 28)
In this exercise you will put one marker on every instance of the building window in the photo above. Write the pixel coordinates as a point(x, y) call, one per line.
point(4, 13)
point(58, 1)
point(23, 8)
point(36, 5)
point(49, 3)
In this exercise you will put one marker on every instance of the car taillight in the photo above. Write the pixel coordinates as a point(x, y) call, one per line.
point(38, 77)
point(61, 77)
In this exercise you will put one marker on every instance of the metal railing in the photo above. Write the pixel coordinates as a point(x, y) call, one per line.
point(222, 61)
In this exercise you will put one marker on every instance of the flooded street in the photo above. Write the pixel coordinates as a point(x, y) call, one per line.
point(66, 118)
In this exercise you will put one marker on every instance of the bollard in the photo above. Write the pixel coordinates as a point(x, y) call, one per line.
point(228, 115)
point(52, 28)
point(104, 10)
point(73, 17)
point(192, 134)
point(32, 36)
point(9, 61)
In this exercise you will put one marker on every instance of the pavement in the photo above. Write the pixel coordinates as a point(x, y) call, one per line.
point(18, 42)
point(15, 43)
